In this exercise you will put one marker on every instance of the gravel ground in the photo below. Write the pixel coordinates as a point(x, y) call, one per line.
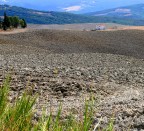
point(67, 66)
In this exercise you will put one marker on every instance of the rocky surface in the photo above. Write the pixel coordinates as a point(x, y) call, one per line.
point(116, 81)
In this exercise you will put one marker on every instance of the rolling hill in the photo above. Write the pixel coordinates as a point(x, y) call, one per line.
point(52, 17)
point(131, 12)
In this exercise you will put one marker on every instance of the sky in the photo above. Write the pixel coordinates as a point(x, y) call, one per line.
point(73, 6)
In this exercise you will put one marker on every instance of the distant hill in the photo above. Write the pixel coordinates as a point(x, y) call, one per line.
point(130, 12)
point(51, 17)
point(43, 17)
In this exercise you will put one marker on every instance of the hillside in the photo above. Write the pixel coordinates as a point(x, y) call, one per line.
point(67, 67)
point(133, 12)
point(45, 17)
point(51, 17)
point(40, 17)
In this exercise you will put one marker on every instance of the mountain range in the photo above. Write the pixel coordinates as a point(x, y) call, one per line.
point(129, 15)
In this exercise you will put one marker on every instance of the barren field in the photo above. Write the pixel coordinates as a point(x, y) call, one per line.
point(78, 27)
point(86, 27)
point(67, 66)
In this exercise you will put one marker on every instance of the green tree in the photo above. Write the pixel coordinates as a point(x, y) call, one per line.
point(4, 26)
point(6, 22)
point(11, 21)
point(25, 24)
point(16, 21)
point(1, 24)
point(21, 22)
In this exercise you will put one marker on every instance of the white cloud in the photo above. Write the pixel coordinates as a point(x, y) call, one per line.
point(93, 2)
point(82, 4)
point(73, 8)
point(4, 0)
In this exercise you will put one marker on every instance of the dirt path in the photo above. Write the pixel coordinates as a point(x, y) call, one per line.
point(14, 31)
point(127, 28)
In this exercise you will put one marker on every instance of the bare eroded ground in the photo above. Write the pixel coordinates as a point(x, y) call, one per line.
point(67, 66)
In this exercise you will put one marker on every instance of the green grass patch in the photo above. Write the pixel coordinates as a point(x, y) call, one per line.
point(18, 116)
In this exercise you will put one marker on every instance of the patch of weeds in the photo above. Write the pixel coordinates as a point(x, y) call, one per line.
point(19, 115)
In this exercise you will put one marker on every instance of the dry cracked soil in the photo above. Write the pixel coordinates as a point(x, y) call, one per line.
point(68, 66)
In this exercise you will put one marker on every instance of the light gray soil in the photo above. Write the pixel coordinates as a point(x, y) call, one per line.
point(67, 66)
point(79, 27)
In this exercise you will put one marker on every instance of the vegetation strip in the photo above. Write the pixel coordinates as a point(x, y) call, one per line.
point(10, 22)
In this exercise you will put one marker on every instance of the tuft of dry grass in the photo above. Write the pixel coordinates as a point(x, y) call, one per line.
point(19, 115)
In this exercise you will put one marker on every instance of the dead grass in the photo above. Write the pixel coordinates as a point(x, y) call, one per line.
point(13, 31)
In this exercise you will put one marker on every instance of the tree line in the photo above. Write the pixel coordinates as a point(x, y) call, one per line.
point(10, 22)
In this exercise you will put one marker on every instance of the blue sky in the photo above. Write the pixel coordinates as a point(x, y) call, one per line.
point(74, 6)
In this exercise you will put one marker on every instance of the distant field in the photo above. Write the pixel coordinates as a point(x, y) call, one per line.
point(121, 42)
point(75, 27)
point(88, 26)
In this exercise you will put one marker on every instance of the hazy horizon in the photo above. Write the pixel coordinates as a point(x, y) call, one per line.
point(73, 6)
